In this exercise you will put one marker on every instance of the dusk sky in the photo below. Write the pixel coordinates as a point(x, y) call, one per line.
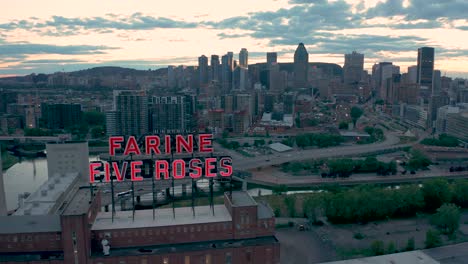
point(53, 35)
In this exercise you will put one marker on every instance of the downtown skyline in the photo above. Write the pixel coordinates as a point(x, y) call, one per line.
point(50, 36)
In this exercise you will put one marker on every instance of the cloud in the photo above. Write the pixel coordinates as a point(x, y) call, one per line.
point(421, 9)
point(21, 48)
point(50, 61)
point(64, 26)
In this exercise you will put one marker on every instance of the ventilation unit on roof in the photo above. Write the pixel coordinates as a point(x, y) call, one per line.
point(44, 192)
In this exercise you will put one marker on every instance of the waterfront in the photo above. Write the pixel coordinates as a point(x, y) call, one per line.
point(24, 176)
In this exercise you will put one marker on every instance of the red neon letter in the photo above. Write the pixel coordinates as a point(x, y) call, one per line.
point(175, 171)
point(136, 170)
point(159, 170)
point(167, 144)
point(197, 170)
point(226, 165)
point(152, 145)
point(107, 172)
point(209, 166)
point(132, 147)
point(182, 143)
point(114, 142)
point(120, 175)
point(205, 142)
point(93, 171)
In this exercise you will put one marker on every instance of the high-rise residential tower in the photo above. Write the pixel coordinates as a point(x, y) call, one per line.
point(301, 63)
point(131, 112)
point(203, 70)
point(215, 66)
point(425, 67)
point(244, 58)
point(271, 57)
point(353, 68)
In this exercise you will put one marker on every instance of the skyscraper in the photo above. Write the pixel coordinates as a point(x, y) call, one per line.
point(226, 71)
point(203, 70)
point(425, 67)
point(436, 82)
point(244, 58)
point(353, 68)
point(215, 68)
point(171, 114)
point(412, 74)
point(301, 63)
point(271, 57)
point(132, 112)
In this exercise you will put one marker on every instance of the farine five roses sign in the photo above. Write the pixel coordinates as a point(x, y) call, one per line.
point(163, 169)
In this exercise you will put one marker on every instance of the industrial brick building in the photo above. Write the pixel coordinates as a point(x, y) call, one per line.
point(240, 231)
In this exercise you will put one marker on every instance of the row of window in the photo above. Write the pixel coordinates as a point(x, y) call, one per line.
point(167, 230)
point(29, 238)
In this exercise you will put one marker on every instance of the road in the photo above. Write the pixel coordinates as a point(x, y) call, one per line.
point(307, 181)
point(247, 163)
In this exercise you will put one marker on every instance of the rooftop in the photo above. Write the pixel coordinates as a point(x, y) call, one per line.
point(80, 203)
point(164, 217)
point(241, 198)
point(29, 224)
point(45, 198)
point(279, 147)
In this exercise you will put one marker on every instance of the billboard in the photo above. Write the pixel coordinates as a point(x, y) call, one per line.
point(164, 169)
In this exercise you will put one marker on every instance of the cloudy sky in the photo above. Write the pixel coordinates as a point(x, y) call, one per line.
point(55, 35)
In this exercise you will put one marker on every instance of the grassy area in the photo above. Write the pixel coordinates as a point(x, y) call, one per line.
point(245, 153)
point(8, 160)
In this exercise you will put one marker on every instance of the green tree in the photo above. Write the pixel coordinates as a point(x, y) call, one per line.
point(410, 244)
point(94, 118)
point(447, 218)
point(436, 192)
point(343, 125)
point(280, 189)
point(377, 247)
point(97, 132)
point(290, 202)
point(460, 192)
point(391, 248)
point(355, 113)
point(418, 160)
point(432, 238)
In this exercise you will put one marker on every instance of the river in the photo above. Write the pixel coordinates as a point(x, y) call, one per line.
point(25, 176)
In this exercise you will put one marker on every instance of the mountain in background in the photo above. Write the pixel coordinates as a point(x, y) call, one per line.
point(98, 77)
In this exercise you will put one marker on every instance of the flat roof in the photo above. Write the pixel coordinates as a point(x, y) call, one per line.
point(405, 257)
point(279, 147)
point(452, 254)
point(241, 198)
point(29, 224)
point(80, 203)
point(46, 197)
point(164, 217)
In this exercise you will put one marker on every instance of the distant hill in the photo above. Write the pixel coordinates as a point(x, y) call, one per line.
point(104, 72)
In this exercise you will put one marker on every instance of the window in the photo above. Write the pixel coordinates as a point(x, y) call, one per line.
point(165, 260)
point(228, 259)
point(248, 256)
point(187, 260)
point(207, 259)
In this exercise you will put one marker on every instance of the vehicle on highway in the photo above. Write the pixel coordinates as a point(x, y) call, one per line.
point(124, 194)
